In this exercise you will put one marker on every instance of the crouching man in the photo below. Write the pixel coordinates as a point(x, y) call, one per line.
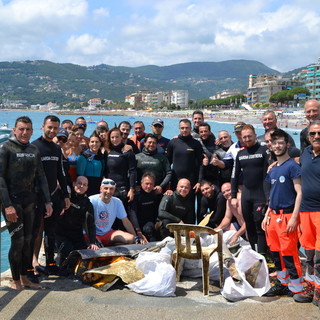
point(106, 209)
point(70, 224)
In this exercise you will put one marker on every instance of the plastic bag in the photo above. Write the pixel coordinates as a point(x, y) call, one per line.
point(235, 291)
point(160, 276)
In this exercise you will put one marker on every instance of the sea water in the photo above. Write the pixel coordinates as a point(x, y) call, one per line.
point(171, 129)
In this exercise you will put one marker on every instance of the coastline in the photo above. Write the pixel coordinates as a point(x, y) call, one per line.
point(288, 120)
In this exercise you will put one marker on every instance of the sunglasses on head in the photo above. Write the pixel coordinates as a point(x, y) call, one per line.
point(313, 133)
point(108, 182)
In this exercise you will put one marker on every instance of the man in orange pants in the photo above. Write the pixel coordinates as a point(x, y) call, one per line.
point(310, 215)
point(281, 220)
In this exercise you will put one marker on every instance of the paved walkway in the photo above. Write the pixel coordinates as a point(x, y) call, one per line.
point(70, 299)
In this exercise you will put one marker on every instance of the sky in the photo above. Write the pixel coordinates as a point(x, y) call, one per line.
point(283, 34)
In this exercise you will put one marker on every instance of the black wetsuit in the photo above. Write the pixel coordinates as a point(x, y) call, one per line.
point(154, 162)
point(253, 162)
point(217, 204)
point(185, 153)
point(51, 157)
point(121, 168)
point(224, 174)
point(143, 212)
point(260, 139)
point(304, 141)
point(70, 226)
point(173, 209)
point(21, 172)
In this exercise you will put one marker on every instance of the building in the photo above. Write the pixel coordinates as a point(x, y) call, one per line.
point(263, 86)
point(93, 103)
point(180, 98)
point(312, 80)
point(226, 94)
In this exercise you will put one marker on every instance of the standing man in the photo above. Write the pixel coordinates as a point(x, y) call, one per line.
point(51, 158)
point(269, 122)
point(312, 113)
point(139, 133)
point(67, 124)
point(125, 127)
point(157, 127)
point(149, 160)
point(185, 154)
point(21, 172)
point(282, 218)
point(310, 215)
point(197, 119)
point(252, 161)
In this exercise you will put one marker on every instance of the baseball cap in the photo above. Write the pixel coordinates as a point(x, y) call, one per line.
point(63, 133)
point(108, 183)
point(238, 126)
point(157, 121)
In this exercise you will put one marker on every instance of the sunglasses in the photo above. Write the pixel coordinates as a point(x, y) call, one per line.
point(81, 125)
point(109, 182)
point(313, 133)
point(62, 139)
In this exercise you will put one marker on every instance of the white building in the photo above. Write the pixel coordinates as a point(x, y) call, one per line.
point(180, 98)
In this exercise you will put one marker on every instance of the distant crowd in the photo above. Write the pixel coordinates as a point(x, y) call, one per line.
point(90, 190)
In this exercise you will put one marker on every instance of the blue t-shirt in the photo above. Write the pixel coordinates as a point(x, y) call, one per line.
point(310, 180)
point(106, 213)
point(282, 193)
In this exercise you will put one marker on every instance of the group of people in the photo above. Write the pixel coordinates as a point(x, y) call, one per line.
point(111, 188)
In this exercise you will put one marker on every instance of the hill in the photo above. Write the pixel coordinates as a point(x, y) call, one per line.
point(43, 81)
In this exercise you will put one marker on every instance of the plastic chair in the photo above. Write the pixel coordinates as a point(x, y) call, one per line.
point(189, 251)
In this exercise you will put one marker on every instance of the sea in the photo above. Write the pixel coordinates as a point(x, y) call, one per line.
point(171, 129)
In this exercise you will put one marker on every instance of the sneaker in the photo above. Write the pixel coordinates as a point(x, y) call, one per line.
point(279, 290)
point(306, 295)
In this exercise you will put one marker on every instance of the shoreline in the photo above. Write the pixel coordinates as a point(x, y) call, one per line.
point(290, 121)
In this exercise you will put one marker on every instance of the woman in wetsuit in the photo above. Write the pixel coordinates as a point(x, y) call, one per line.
point(91, 164)
point(120, 166)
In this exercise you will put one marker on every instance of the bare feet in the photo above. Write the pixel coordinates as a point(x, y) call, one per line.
point(28, 284)
point(16, 285)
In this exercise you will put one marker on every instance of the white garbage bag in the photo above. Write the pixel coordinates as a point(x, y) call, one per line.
point(160, 276)
point(235, 291)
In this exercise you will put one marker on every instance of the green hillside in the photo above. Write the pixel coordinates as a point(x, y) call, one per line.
point(44, 81)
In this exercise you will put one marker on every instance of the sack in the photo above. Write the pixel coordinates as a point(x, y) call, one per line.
point(160, 276)
point(235, 291)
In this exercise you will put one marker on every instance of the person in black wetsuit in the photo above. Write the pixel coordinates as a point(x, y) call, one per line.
point(185, 153)
point(120, 167)
point(253, 161)
point(143, 211)
point(176, 208)
point(51, 157)
point(79, 217)
point(212, 200)
point(21, 171)
point(150, 160)
point(125, 127)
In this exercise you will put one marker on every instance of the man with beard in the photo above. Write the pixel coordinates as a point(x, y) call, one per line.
point(252, 162)
point(125, 127)
point(282, 218)
point(212, 200)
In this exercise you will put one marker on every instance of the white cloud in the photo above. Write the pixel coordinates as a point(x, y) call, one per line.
point(137, 32)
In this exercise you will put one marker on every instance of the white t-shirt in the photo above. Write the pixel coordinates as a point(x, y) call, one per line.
point(106, 213)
